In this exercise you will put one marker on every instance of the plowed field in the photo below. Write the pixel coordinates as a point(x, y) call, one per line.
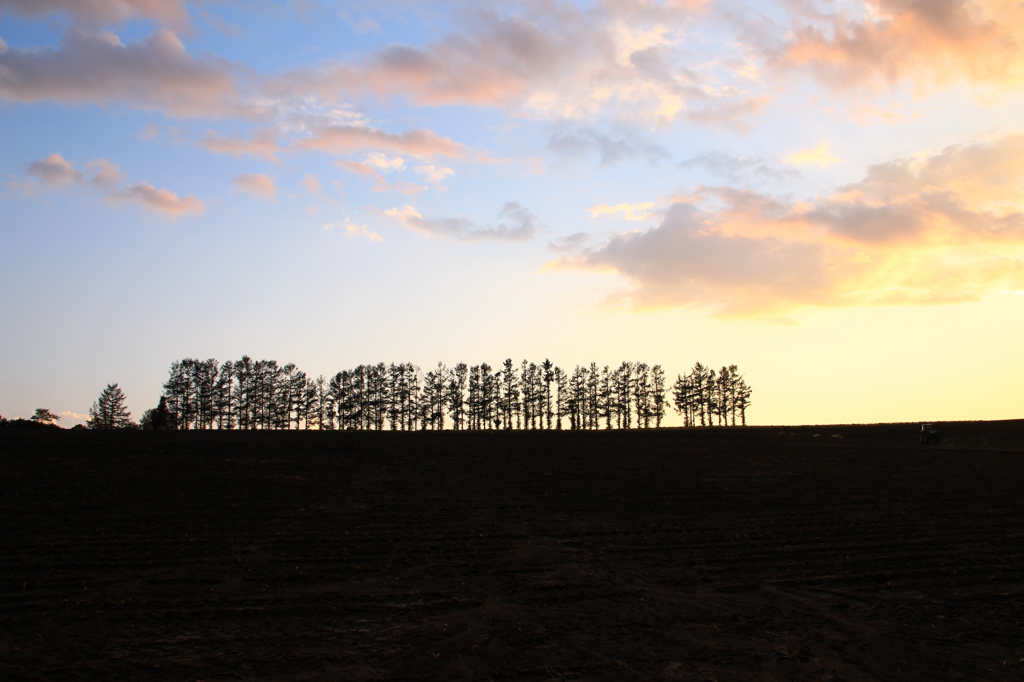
point(701, 554)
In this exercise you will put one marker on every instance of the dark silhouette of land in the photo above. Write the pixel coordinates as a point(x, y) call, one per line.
point(693, 554)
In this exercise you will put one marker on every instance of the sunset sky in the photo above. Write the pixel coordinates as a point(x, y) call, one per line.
point(827, 193)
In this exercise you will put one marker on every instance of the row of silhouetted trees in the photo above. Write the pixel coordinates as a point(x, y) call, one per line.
point(262, 394)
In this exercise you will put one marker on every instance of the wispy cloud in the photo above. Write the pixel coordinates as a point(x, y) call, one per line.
point(380, 184)
point(151, 131)
point(550, 60)
point(628, 211)
point(311, 183)
point(261, 145)
point(345, 139)
point(107, 178)
point(611, 150)
point(354, 231)
point(572, 243)
point(739, 168)
point(384, 163)
point(516, 224)
point(816, 156)
point(435, 174)
point(259, 185)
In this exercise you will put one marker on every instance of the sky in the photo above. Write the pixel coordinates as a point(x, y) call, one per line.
point(827, 193)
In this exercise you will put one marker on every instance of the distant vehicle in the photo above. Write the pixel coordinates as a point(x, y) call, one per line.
point(929, 434)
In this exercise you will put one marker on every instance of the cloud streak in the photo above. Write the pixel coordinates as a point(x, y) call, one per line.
point(816, 156)
point(346, 139)
point(101, 12)
point(156, 73)
point(628, 211)
point(516, 224)
point(261, 145)
point(106, 177)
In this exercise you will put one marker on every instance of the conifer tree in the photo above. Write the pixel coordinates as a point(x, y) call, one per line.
point(109, 411)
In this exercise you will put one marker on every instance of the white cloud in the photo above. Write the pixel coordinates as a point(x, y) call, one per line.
point(355, 231)
point(435, 174)
point(628, 211)
point(384, 163)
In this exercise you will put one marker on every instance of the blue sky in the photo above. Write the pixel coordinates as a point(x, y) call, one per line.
point(828, 194)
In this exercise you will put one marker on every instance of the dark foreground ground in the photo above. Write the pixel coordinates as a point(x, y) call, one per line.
point(695, 555)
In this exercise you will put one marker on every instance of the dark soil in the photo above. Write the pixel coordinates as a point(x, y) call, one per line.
point(701, 554)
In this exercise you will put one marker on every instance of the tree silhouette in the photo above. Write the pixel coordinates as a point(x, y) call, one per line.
point(44, 416)
point(509, 394)
point(261, 394)
point(456, 395)
point(159, 418)
point(658, 394)
point(109, 411)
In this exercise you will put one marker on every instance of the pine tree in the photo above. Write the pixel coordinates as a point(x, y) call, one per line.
point(109, 411)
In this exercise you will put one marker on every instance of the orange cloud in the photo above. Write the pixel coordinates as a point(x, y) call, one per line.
point(344, 139)
point(932, 43)
point(938, 228)
point(159, 200)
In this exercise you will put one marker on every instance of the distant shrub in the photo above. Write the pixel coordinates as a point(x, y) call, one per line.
point(25, 424)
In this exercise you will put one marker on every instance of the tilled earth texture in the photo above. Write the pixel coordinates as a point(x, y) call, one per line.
point(700, 554)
